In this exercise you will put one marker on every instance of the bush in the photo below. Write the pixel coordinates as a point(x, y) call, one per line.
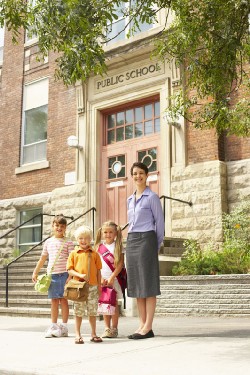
point(232, 257)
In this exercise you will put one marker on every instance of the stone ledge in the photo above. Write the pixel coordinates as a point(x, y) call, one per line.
point(236, 278)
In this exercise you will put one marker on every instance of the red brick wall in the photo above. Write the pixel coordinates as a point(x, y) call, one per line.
point(61, 124)
point(237, 148)
point(202, 145)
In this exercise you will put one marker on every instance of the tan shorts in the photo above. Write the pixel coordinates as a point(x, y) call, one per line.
point(89, 307)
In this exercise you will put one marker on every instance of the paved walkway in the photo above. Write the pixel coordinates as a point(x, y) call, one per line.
point(182, 346)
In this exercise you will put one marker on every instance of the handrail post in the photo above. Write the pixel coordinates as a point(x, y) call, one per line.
point(41, 228)
point(93, 222)
point(7, 287)
point(164, 212)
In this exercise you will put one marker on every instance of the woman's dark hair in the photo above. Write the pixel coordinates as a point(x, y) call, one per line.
point(140, 165)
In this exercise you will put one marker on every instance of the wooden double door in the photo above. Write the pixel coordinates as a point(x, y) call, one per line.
point(130, 133)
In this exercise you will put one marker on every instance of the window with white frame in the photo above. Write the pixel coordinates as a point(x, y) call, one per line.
point(29, 34)
point(120, 27)
point(35, 118)
point(31, 232)
point(1, 43)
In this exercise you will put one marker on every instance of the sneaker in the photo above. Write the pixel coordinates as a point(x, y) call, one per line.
point(64, 330)
point(114, 332)
point(51, 331)
point(107, 333)
point(57, 332)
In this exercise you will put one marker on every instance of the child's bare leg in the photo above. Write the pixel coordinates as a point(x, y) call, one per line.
point(65, 310)
point(54, 309)
point(78, 323)
point(107, 320)
point(92, 321)
point(115, 317)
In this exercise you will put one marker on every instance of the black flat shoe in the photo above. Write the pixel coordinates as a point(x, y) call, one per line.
point(132, 336)
point(138, 336)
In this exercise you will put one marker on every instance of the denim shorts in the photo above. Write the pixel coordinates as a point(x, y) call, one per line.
point(56, 288)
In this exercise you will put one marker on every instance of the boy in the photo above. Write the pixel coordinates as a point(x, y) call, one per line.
point(77, 267)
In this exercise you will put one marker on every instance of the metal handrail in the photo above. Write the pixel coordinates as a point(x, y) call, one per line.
point(93, 209)
point(25, 222)
point(164, 197)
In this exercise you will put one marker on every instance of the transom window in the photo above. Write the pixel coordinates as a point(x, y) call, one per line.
point(123, 25)
point(31, 232)
point(133, 123)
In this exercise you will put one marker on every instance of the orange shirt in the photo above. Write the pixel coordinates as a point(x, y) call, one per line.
point(78, 261)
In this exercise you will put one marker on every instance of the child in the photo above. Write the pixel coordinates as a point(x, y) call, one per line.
point(59, 275)
point(112, 236)
point(77, 266)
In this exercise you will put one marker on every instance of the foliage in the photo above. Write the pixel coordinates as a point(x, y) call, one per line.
point(212, 39)
point(232, 257)
point(209, 40)
point(14, 254)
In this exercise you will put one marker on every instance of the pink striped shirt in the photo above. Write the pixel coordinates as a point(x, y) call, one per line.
point(51, 247)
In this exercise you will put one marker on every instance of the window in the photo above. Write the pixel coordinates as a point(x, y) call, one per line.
point(116, 168)
point(149, 157)
point(31, 232)
point(1, 43)
point(29, 34)
point(119, 28)
point(35, 117)
point(133, 123)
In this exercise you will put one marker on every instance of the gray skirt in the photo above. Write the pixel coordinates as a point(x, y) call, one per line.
point(142, 265)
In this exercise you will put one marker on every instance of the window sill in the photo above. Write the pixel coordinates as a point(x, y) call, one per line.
point(32, 167)
point(30, 42)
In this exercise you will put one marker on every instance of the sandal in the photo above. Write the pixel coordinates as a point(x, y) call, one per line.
point(96, 339)
point(79, 340)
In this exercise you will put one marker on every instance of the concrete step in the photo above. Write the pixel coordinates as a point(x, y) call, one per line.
point(22, 294)
point(208, 297)
point(199, 310)
point(44, 312)
point(24, 302)
point(172, 251)
point(213, 288)
point(31, 263)
point(204, 313)
point(205, 279)
point(208, 304)
point(17, 286)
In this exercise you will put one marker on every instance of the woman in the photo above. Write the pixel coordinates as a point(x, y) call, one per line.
point(145, 235)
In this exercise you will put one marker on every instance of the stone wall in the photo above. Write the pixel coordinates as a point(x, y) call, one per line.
point(238, 181)
point(214, 188)
point(69, 200)
point(205, 185)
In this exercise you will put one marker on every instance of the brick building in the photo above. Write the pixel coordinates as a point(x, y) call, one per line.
point(117, 119)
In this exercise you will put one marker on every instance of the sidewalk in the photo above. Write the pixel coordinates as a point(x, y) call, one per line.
point(182, 346)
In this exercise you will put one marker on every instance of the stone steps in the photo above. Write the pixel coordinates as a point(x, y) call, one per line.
point(34, 312)
point(216, 295)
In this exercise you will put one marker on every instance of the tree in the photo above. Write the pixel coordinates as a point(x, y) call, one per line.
point(209, 40)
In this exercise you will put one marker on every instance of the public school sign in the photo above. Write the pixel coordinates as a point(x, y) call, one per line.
point(129, 76)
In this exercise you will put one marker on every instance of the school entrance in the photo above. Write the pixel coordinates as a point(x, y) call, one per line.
point(130, 133)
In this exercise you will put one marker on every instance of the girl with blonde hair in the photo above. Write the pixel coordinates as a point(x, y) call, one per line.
point(108, 244)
